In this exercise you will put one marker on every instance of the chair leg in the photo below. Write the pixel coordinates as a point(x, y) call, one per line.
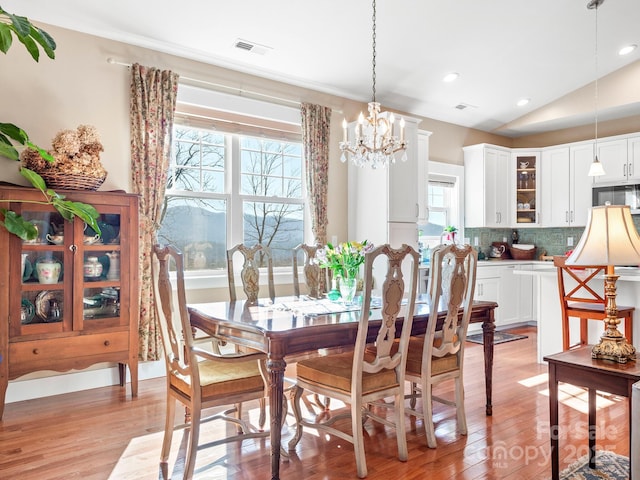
point(194, 433)
point(263, 415)
point(460, 412)
point(168, 431)
point(401, 433)
point(565, 333)
point(358, 438)
point(427, 409)
point(297, 413)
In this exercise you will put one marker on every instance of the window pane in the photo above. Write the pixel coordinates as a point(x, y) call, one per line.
point(278, 225)
point(292, 166)
point(186, 179)
point(198, 228)
point(212, 181)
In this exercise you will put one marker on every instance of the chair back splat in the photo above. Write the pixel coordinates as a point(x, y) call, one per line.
point(311, 270)
point(253, 258)
point(197, 378)
point(370, 372)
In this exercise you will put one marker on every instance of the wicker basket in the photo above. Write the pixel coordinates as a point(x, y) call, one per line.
point(520, 254)
point(70, 181)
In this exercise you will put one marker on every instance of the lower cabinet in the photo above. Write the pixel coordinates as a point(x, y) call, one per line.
point(513, 293)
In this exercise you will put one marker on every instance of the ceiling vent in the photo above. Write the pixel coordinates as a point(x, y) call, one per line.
point(464, 106)
point(252, 47)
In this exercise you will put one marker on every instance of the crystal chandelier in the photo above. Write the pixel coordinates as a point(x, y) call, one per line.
point(375, 143)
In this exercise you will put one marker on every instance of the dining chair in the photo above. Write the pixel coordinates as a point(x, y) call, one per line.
point(438, 355)
point(253, 258)
point(311, 270)
point(197, 378)
point(360, 377)
point(580, 300)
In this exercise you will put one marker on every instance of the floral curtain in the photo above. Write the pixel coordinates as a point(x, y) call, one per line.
point(153, 101)
point(316, 121)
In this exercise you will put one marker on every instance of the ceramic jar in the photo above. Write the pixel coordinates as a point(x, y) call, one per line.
point(92, 269)
point(48, 270)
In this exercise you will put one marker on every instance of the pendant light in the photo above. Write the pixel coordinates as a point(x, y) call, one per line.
point(596, 168)
point(375, 144)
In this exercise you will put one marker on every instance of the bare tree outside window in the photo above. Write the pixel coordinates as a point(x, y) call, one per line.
point(197, 203)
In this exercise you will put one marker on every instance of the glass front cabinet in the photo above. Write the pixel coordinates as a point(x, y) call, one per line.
point(69, 298)
point(526, 206)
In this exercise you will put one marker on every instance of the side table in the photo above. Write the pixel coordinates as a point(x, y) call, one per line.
point(578, 368)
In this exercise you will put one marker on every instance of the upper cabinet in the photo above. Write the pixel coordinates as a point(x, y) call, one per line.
point(487, 173)
point(620, 158)
point(565, 186)
point(525, 204)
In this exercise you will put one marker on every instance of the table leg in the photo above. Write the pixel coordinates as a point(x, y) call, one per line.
point(275, 368)
point(488, 328)
point(553, 423)
point(592, 428)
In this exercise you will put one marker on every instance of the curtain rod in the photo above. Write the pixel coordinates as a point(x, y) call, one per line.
point(238, 91)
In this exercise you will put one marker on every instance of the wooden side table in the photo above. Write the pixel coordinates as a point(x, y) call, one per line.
point(578, 368)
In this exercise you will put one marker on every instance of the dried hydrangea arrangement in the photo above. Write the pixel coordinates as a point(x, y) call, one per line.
point(76, 152)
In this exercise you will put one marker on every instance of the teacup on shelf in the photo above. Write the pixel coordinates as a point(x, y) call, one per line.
point(58, 239)
point(92, 240)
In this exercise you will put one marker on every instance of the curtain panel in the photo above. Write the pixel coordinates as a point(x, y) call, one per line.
point(316, 122)
point(152, 110)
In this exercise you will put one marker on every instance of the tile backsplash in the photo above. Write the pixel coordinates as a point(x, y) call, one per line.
point(553, 241)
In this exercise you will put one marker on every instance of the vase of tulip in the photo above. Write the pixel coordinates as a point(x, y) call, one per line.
point(348, 289)
point(344, 260)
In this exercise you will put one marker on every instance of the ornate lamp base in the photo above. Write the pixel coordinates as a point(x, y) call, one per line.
point(614, 348)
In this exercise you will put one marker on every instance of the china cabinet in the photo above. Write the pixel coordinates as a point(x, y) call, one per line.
point(526, 165)
point(65, 303)
point(486, 173)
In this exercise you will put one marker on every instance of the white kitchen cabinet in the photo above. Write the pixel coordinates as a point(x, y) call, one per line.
point(526, 295)
point(487, 285)
point(565, 186)
point(508, 296)
point(633, 158)
point(613, 156)
point(487, 174)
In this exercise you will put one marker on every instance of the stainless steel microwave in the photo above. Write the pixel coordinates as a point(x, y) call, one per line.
point(617, 195)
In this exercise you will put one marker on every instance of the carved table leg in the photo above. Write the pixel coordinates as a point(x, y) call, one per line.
point(276, 367)
point(488, 328)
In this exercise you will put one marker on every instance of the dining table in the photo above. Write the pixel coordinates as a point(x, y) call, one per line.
point(287, 327)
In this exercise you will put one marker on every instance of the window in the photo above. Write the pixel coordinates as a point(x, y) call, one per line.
point(229, 188)
point(444, 192)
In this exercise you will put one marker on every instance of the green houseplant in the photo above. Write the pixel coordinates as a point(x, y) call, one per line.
point(34, 39)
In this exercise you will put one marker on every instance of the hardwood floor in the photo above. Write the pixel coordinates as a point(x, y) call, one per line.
point(103, 434)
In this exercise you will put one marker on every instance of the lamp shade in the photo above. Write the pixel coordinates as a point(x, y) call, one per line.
point(610, 238)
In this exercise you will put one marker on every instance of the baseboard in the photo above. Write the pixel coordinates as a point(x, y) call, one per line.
point(45, 384)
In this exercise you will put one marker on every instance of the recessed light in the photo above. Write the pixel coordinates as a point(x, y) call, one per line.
point(627, 49)
point(450, 77)
point(523, 101)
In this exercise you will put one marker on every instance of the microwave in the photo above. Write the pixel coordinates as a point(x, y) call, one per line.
point(628, 194)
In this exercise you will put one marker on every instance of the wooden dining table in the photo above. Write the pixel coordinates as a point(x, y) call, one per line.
point(285, 328)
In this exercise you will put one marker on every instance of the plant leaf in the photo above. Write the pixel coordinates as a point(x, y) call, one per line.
point(14, 132)
point(45, 40)
point(35, 179)
point(43, 153)
point(17, 225)
point(21, 24)
point(31, 45)
point(5, 38)
point(6, 150)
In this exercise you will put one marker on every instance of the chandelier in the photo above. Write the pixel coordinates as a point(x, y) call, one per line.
point(375, 143)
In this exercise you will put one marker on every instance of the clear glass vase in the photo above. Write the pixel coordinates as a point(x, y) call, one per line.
point(348, 289)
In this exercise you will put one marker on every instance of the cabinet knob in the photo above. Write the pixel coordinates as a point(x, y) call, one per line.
point(36, 351)
point(73, 248)
point(107, 343)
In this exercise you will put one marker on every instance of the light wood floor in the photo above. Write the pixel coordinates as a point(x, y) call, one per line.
point(104, 434)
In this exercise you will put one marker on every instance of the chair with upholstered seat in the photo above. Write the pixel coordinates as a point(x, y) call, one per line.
point(580, 298)
point(253, 258)
point(360, 377)
point(438, 356)
point(310, 269)
point(197, 378)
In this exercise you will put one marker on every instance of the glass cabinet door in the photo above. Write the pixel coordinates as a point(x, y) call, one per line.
point(526, 188)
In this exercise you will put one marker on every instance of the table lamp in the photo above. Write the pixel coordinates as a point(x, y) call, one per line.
point(610, 239)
